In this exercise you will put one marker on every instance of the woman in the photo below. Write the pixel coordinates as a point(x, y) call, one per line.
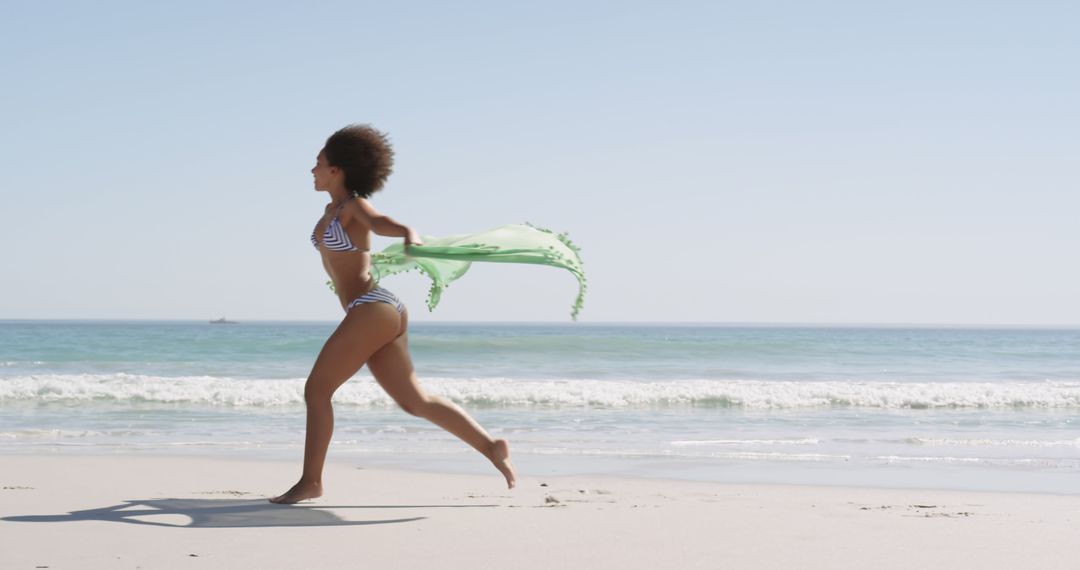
point(353, 165)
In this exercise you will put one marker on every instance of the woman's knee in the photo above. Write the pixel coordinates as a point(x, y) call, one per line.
point(316, 393)
point(417, 407)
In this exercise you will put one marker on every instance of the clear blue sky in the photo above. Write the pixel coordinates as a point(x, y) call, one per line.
point(849, 162)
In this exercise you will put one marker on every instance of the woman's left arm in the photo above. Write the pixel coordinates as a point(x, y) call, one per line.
point(382, 224)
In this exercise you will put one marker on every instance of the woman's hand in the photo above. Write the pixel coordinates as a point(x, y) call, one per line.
point(412, 238)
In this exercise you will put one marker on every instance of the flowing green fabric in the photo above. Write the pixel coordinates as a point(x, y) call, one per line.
point(446, 259)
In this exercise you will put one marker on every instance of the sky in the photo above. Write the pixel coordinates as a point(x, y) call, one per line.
point(751, 162)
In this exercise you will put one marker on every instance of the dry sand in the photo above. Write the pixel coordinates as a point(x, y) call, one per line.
point(114, 512)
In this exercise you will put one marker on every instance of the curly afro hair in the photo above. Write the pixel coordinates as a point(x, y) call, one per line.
point(364, 154)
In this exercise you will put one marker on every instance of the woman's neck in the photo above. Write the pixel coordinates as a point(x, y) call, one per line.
point(339, 196)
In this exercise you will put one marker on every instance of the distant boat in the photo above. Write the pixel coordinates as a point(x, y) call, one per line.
point(222, 321)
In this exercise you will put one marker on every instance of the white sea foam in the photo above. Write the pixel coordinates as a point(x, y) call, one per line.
point(743, 455)
point(803, 441)
point(146, 445)
point(994, 442)
point(984, 461)
point(63, 434)
point(504, 392)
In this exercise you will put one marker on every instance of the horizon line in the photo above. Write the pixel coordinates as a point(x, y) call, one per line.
point(653, 323)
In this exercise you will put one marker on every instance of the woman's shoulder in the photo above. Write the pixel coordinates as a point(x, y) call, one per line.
point(360, 210)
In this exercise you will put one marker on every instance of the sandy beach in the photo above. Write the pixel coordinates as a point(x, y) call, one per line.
point(102, 511)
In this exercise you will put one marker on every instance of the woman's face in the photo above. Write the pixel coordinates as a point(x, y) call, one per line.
point(323, 172)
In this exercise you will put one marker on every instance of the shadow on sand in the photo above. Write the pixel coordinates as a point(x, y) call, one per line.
point(224, 513)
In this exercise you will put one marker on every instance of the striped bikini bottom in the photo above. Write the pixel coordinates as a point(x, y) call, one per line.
point(377, 295)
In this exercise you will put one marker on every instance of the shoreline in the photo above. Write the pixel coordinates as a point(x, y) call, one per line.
point(125, 512)
point(466, 462)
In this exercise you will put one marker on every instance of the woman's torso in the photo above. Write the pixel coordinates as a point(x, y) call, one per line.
point(343, 242)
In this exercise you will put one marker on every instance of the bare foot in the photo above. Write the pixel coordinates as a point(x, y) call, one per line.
point(299, 492)
point(500, 456)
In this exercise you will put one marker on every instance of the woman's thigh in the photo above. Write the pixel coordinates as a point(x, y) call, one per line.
point(392, 368)
point(364, 330)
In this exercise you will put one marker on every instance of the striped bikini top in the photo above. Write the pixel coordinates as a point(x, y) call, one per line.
point(335, 238)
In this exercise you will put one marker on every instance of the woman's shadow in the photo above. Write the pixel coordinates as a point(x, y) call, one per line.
point(222, 513)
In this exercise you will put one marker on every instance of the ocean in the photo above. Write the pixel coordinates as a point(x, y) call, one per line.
point(889, 406)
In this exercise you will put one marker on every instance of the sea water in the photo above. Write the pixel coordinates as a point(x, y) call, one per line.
point(964, 408)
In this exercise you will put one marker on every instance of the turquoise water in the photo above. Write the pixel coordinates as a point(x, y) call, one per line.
point(941, 407)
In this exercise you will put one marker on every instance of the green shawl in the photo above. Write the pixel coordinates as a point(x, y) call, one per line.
point(446, 259)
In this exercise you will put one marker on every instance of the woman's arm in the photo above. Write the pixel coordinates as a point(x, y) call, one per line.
point(383, 225)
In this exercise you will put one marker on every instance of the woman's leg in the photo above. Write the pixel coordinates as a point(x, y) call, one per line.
point(393, 369)
point(364, 330)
